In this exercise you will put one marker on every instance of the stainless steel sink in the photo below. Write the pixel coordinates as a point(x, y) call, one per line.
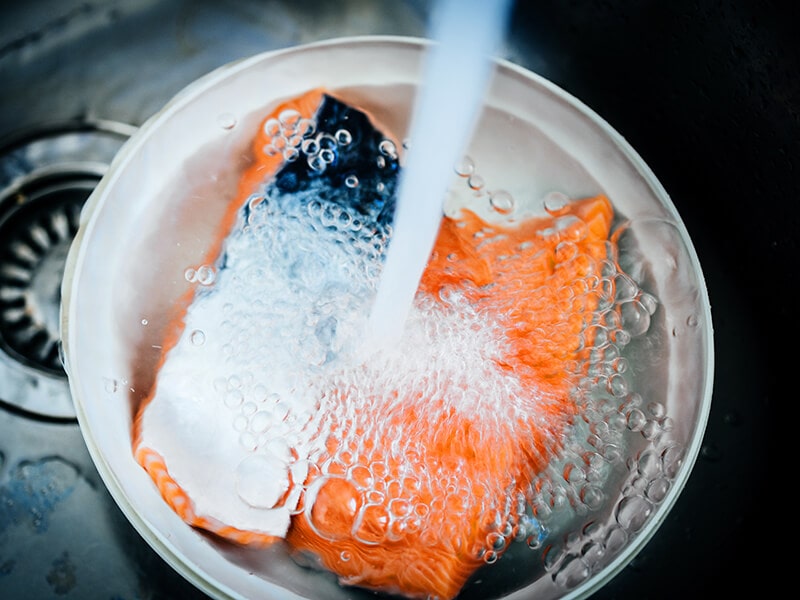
point(78, 77)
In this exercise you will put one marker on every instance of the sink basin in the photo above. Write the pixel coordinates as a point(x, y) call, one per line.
point(644, 424)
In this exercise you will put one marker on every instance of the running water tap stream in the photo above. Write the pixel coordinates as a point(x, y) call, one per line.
point(456, 73)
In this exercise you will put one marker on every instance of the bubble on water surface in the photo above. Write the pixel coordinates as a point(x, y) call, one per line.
point(502, 201)
point(289, 118)
point(476, 182)
point(316, 163)
point(272, 127)
point(198, 337)
point(206, 275)
point(632, 512)
point(279, 143)
point(465, 166)
point(555, 203)
point(388, 149)
point(343, 137)
point(290, 154)
point(226, 121)
point(306, 127)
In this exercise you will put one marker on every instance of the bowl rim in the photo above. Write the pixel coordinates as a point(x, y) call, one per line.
point(156, 539)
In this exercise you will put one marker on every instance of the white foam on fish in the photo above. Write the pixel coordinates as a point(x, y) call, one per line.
point(240, 411)
point(456, 73)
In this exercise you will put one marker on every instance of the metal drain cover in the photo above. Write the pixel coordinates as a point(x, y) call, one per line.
point(45, 178)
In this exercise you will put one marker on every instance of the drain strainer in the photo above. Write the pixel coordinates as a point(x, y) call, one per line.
point(45, 178)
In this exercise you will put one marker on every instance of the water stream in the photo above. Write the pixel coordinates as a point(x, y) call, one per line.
point(456, 73)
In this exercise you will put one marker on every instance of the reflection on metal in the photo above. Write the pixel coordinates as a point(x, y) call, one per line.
point(61, 533)
point(45, 178)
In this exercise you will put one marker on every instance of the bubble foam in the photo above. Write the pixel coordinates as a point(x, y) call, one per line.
point(271, 367)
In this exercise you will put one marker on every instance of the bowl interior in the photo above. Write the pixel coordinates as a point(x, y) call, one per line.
point(155, 212)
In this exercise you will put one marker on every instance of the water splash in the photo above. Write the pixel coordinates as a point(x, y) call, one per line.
point(456, 74)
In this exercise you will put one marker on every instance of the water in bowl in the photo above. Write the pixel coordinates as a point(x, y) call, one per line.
point(271, 407)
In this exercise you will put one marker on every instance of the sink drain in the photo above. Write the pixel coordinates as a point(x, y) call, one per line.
point(45, 178)
point(34, 240)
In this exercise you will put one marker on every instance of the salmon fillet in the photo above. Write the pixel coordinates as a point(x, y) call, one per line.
point(405, 472)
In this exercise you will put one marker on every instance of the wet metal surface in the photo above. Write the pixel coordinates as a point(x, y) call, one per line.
point(707, 93)
point(61, 535)
point(46, 175)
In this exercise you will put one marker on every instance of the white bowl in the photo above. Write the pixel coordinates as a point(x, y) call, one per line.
point(138, 235)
